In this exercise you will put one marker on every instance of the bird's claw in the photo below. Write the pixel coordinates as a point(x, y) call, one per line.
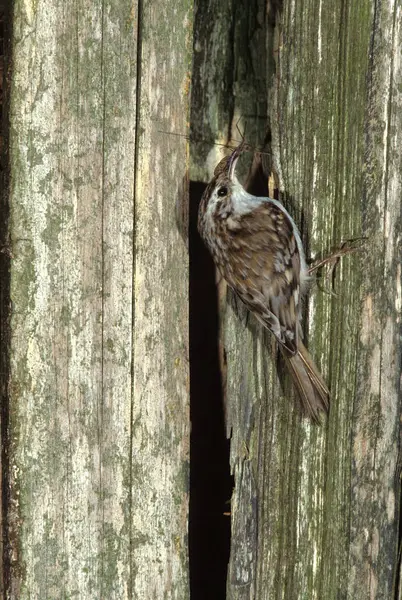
point(347, 247)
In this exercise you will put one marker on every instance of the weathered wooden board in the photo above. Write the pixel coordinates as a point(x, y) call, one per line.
point(98, 389)
point(229, 82)
point(376, 469)
point(4, 260)
point(315, 510)
point(323, 522)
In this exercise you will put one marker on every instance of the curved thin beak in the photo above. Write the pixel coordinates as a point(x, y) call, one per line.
point(233, 158)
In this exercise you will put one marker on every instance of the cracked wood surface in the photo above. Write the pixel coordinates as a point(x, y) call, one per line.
point(99, 430)
point(315, 511)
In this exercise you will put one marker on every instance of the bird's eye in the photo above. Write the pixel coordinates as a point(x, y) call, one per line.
point(223, 191)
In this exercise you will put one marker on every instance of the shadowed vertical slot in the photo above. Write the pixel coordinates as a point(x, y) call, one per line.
point(210, 480)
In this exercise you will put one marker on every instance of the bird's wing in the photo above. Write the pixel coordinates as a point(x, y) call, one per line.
point(263, 267)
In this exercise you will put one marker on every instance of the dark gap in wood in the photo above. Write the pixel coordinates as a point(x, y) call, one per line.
point(5, 302)
point(138, 79)
point(210, 480)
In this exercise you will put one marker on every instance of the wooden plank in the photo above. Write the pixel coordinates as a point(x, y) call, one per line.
point(374, 560)
point(4, 261)
point(230, 91)
point(99, 400)
point(160, 437)
point(315, 510)
point(318, 505)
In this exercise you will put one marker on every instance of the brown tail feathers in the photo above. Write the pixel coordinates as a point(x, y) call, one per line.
point(312, 389)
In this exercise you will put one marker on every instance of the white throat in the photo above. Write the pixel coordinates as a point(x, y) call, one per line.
point(242, 201)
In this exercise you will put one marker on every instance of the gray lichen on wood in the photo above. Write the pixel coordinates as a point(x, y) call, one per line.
point(99, 370)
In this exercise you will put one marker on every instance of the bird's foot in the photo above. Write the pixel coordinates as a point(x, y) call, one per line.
point(332, 260)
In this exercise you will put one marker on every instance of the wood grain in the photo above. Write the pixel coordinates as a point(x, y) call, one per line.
point(99, 372)
point(327, 498)
point(315, 510)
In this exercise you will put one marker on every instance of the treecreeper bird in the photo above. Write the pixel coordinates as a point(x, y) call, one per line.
point(258, 250)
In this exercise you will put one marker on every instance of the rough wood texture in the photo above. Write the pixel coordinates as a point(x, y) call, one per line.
point(229, 86)
point(326, 499)
point(99, 370)
point(4, 264)
point(315, 511)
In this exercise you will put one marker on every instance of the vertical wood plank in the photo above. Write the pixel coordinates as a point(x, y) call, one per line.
point(4, 260)
point(375, 560)
point(160, 386)
point(230, 80)
point(314, 512)
point(98, 263)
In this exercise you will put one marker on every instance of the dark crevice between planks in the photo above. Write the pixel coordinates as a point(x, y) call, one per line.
point(210, 480)
point(5, 303)
point(133, 307)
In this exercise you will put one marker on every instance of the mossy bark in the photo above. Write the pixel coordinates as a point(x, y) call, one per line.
point(99, 429)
